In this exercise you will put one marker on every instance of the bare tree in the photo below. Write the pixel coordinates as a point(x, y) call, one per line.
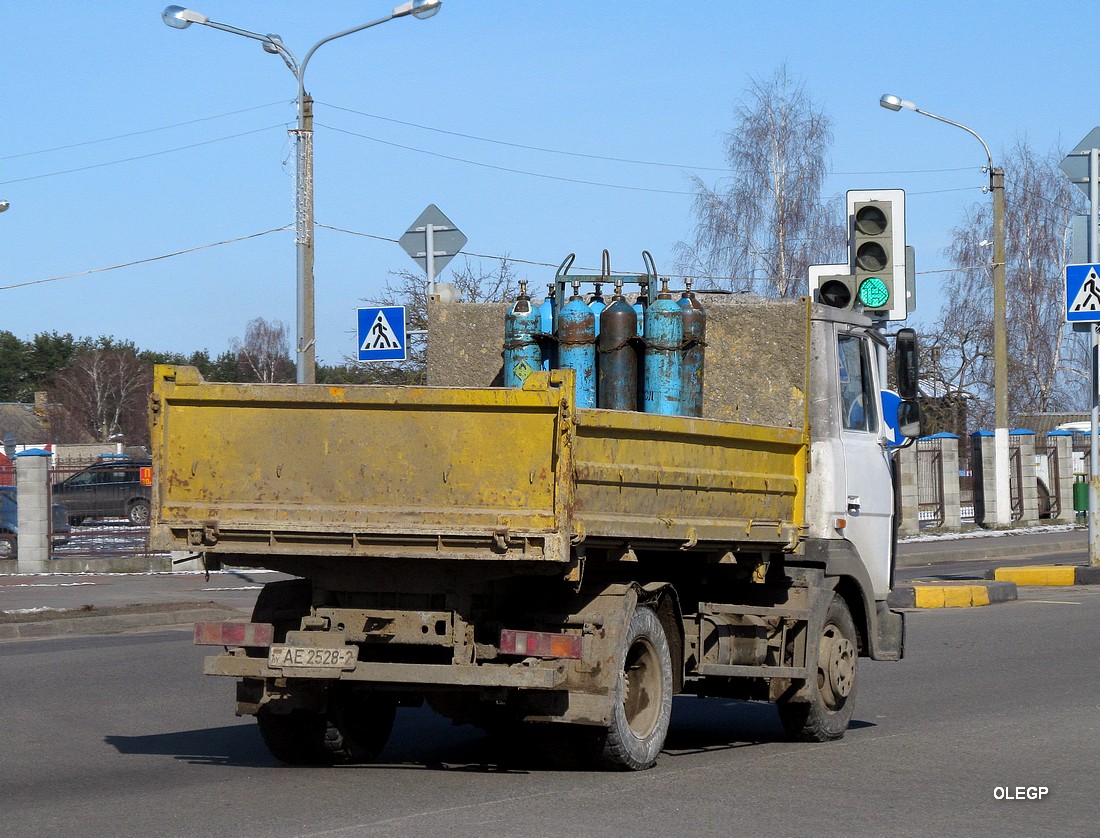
point(767, 220)
point(1039, 205)
point(408, 288)
point(105, 390)
point(265, 354)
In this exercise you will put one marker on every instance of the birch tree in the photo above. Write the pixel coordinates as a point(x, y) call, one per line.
point(105, 390)
point(767, 221)
point(265, 354)
point(1039, 205)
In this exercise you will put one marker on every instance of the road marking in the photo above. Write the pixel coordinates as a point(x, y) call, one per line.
point(50, 584)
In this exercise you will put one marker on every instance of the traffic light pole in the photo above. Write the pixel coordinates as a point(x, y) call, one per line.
point(1094, 445)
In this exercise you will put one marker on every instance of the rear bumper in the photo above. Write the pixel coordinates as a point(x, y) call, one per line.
point(535, 675)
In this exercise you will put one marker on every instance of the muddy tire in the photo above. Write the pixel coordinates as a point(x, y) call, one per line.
point(353, 729)
point(643, 695)
point(296, 738)
point(283, 604)
point(358, 725)
point(826, 715)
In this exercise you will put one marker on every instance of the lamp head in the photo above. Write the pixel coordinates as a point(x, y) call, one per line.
point(422, 9)
point(269, 44)
point(4, 206)
point(895, 103)
point(180, 18)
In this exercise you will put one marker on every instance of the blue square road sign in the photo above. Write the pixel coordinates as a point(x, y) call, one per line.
point(381, 334)
point(1082, 293)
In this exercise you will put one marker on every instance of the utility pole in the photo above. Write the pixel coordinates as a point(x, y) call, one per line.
point(306, 350)
point(1000, 351)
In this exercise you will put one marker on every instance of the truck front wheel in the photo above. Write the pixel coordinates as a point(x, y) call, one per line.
point(827, 713)
point(643, 695)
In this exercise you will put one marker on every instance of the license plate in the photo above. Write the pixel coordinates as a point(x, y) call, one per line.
point(312, 657)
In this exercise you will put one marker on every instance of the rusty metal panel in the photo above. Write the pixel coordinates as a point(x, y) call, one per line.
point(647, 477)
point(336, 469)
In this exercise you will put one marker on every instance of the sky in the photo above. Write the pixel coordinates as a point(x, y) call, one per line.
point(128, 143)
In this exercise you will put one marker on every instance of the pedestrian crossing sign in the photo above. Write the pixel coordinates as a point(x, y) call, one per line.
point(381, 334)
point(1083, 293)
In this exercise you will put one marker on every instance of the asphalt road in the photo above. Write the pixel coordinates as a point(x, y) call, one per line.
point(122, 736)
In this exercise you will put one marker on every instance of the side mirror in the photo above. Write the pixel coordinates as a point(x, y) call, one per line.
point(909, 418)
point(905, 359)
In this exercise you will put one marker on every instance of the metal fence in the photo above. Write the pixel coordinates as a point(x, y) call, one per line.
point(930, 494)
point(1015, 478)
point(93, 536)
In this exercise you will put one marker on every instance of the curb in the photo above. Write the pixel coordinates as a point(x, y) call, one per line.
point(110, 623)
point(1050, 575)
point(952, 594)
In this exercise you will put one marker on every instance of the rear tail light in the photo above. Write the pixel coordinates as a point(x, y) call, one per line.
point(540, 644)
point(234, 634)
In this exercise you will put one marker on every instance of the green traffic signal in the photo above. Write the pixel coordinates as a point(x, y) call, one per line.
point(874, 293)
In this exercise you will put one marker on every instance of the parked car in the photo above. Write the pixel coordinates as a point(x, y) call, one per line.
point(9, 522)
point(116, 488)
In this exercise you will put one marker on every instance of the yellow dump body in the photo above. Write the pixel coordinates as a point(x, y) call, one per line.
point(456, 473)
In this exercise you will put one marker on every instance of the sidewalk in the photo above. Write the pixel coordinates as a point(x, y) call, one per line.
point(48, 605)
point(53, 604)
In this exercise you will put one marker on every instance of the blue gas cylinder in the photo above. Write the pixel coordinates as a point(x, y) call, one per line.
point(639, 308)
point(664, 330)
point(577, 346)
point(546, 327)
point(597, 305)
point(521, 347)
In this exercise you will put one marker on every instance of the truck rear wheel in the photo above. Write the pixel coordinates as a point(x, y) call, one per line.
point(827, 713)
point(643, 695)
point(353, 729)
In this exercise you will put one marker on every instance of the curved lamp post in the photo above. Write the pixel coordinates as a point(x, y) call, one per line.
point(178, 17)
point(1000, 334)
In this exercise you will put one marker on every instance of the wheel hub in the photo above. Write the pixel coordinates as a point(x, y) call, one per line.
point(836, 666)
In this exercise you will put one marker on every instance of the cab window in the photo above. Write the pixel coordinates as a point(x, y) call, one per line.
point(858, 397)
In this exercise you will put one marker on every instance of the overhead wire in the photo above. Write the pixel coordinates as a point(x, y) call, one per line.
point(143, 131)
point(138, 156)
point(609, 158)
point(144, 261)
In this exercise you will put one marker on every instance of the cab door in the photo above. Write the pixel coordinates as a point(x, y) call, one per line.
point(868, 485)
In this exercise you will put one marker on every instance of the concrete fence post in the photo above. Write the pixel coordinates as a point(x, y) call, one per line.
point(33, 518)
point(952, 494)
point(910, 496)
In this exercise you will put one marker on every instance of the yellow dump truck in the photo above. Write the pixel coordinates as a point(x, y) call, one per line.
point(516, 561)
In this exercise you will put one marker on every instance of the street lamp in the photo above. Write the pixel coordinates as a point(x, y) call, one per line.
point(1000, 299)
point(4, 206)
point(178, 17)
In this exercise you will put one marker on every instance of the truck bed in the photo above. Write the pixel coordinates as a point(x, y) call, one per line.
point(456, 473)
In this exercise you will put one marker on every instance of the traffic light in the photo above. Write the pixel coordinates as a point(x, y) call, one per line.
point(836, 290)
point(876, 249)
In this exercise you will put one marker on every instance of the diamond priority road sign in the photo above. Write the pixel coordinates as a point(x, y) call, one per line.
point(1076, 163)
point(447, 239)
